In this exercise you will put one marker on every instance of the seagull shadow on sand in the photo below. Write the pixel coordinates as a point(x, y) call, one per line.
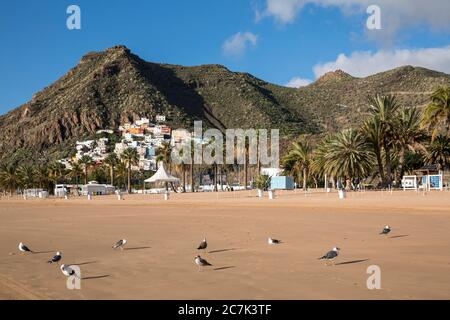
point(399, 236)
point(351, 262)
point(83, 263)
point(96, 277)
point(223, 250)
point(136, 248)
point(224, 268)
point(43, 252)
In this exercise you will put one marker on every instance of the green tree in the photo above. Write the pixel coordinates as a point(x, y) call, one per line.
point(75, 173)
point(26, 176)
point(384, 110)
point(299, 160)
point(348, 156)
point(9, 178)
point(130, 157)
point(111, 161)
point(437, 113)
point(407, 135)
point(438, 152)
point(87, 162)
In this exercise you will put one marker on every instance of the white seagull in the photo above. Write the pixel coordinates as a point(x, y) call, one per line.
point(24, 248)
point(331, 255)
point(386, 230)
point(56, 258)
point(200, 262)
point(203, 245)
point(68, 271)
point(120, 244)
point(273, 241)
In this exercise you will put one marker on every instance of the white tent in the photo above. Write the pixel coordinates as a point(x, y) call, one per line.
point(162, 176)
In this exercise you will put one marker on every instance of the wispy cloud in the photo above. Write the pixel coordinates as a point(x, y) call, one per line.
point(237, 45)
point(298, 82)
point(365, 63)
point(396, 14)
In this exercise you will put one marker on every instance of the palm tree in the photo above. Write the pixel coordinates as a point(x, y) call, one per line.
point(298, 161)
point(384, 109)
point(26, 176)
point(372, 131)
point(9, 179)
point(438, 152)
point(86, 161)
point(75, 172)
point(348, 156)
point(111, 161)
point(407, 135)
point(437, 113)
point(121, 174)
point(164, 154)
point(41, 176)
point(56, 170)
point(130, 157)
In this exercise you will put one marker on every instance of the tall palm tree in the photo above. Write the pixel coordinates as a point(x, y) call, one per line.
point(384, 108)
point(111, 161)
point(41, 176)
point(348, 156)
point(75, 173)
point(438, 152)
point(407, 135)
point(121, 174)
point(164, 154)
point(26, 176)
point(9, 179)
point(130, 157)
point(372, 131)
point(437, 113)
point(299, 160)
point(56, 171)
point(86, 161)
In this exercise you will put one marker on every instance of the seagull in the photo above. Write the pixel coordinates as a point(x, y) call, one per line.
point(203, 245)
point(24, 248)
point(331, 255)
point(386, 230)
point(201, 262)
point(273, 241)
point(120, 244)
point(68, 271)
point(56, 258)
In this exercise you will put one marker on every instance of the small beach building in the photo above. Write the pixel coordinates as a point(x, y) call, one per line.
point(282, 183)
point(94, 188)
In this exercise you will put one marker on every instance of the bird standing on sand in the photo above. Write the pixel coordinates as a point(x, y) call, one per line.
point(273, 241)
point(200, 262)
point(386, 230)
point(24, 248)
point(68, 271)
point(56, 258)
point(120, 244)
point(203, 245)
point(331, 255)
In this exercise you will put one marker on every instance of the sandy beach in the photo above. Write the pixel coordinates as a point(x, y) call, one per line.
point(163, 236)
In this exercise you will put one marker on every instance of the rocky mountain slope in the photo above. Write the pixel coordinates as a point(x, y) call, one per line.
point(115, 86)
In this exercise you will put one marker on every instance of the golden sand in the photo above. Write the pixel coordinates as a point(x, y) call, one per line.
point(158, 262)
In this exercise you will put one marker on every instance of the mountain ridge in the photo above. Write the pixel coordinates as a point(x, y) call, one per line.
point(114, 86)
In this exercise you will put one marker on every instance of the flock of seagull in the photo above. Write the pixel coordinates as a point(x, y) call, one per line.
point(199, 261)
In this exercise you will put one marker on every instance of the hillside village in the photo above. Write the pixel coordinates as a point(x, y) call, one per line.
point(143, 135)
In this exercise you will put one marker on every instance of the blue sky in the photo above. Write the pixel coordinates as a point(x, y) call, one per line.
point(275, 40)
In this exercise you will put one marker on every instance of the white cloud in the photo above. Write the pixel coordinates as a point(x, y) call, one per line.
point(365, 63)
point(298, 82)
point(395, 14)
point(236, 45)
